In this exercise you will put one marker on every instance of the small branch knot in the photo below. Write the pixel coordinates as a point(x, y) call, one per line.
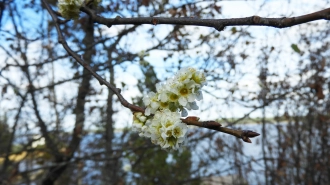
point(256, 19)
point(247, 134)
point(115, 20)
point(155, 21)
point(219, 27)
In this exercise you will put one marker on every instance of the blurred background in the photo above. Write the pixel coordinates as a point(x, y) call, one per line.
point(58, 125)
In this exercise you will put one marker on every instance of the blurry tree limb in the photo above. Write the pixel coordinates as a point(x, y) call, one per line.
point(213, 125)
point(218, 24)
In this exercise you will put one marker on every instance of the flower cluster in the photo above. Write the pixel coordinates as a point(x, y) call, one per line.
point(164, 129)
point(161, 120)
point(69, 9)
point(178, 93)
point(127, 167)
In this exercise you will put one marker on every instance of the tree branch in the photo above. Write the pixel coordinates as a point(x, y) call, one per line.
point(218, 24)
point(245, 135)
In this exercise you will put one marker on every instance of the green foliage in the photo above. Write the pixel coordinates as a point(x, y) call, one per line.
point(150, 78)
point(156, 166)
point(295, 48)
point(4, 134)
point(148, 82)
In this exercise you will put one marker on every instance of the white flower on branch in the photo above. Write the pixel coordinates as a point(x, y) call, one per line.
point(161, 120)
point(177, 93)
point(127, 167)
point(167, 130)
point(139, 120)
point(152, 103)
point(70, 9)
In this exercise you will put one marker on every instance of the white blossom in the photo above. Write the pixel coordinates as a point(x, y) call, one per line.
point(127, 167)
point(139, 121)
point(69, 9)
point(167, 130)
point(152, 103)
point(161, 120)
point(185, 75)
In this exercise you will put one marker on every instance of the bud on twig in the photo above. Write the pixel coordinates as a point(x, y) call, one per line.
point(247, 134)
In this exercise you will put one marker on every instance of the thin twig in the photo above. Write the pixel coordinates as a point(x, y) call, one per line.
point(245, 135)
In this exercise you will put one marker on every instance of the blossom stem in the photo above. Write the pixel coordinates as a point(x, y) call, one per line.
point(245, 135)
